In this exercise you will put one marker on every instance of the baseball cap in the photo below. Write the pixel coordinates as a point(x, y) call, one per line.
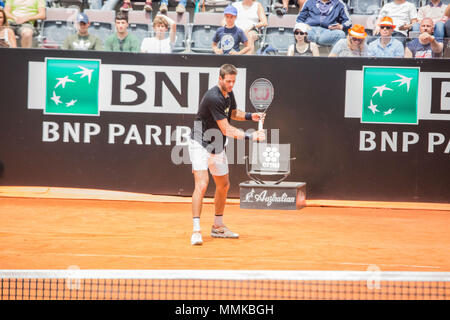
point(358, 31)
point(230, 10)
point(302, 27)
point(387, 21)
point(82, 17)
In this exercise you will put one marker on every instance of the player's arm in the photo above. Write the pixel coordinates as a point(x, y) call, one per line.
point(240, 115)
point(228, 130)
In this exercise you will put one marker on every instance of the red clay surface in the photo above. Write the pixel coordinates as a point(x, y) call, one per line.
point(100, 234)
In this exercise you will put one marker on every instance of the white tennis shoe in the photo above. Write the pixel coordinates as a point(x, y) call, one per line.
point(196, 239)
point(223, 232)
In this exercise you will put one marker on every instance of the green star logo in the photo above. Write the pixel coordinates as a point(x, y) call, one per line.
point(390, 95)
point(72, 86)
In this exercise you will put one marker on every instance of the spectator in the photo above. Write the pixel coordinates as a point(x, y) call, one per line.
point(181, 7)
point(159, 43)
point(426, 46)
point(447, 23)
point(82, 40)
point(283, 7)
point(230, 37)
point(386, 46)
point(302, 47)
point(328, 20)
point(250, 17)
point(23, 15)
point(122, 41)
point(126, 5)
point(404, 15)
point(435, 10)
point(354, 46)
point(7, 37)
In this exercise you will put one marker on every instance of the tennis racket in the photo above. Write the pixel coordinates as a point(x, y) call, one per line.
point(261, 96)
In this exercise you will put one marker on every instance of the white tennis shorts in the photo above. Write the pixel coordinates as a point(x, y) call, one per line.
point(201, 159)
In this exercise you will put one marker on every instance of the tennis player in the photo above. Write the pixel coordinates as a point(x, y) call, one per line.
point(207, 148)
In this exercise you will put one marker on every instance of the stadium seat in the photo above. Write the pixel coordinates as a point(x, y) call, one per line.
point(139, 23)
point(57, 26)
point(182, 21)
point(203, 30)
point(102, 22)
point(279, 33)
point(365, 7)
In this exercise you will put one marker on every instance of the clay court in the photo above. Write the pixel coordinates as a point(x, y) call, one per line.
point(55, 230)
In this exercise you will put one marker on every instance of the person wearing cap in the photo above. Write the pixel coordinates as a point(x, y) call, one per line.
point(354, 46)
point(250, 18)
point(426, 45)
point(122, 40)
point(328, 19)
point(22, 16)
point(435, 10)
point(385, 46)
point(82, 40)
point(302, 46)
point(159, 43)
point(228, 38)
point(403, 14)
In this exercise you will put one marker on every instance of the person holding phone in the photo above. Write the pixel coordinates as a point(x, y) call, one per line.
point(328, 19)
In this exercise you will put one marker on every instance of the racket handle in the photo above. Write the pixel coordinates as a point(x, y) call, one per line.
point(260, 125)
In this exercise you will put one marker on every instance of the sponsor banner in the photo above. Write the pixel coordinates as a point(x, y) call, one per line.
point(364, 129)
point(283, 196)
point(88, 87)
point(397, 95)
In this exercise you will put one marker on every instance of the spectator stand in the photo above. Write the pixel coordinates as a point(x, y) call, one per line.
point(102, 22)
point(139, 23)
point(279, 32)
point(57, 26)
point(202, 31)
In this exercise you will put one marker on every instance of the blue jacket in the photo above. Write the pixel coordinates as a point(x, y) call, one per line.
point(312, 16)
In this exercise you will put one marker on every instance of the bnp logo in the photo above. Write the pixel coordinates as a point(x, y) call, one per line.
point(72, 86)
point(390, 95)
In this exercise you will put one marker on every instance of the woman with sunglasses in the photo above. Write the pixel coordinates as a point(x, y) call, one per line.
point(354, 46)
point(302, 47)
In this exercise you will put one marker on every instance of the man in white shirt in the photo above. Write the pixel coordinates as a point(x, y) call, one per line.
point(435, 10)
point(404, 15)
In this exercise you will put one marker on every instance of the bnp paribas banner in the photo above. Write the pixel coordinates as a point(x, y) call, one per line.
point(72, 86)
point(398, 96)
point(88, 87)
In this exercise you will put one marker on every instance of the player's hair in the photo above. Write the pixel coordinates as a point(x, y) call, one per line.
point(227, 69)
point(122, 16)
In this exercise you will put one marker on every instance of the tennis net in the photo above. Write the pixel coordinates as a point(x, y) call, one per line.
point(221, 285)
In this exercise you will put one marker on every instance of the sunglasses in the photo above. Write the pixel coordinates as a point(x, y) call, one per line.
point(357, 39)
point(300, 33)
point(386, 27)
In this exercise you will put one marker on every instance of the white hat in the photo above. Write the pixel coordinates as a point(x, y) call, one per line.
point(302, 27)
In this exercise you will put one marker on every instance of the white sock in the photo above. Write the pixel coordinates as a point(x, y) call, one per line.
point(218, 220)
point(196, 222)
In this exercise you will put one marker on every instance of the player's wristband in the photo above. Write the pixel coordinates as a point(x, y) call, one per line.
point(248, 116)
point(248, 136)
